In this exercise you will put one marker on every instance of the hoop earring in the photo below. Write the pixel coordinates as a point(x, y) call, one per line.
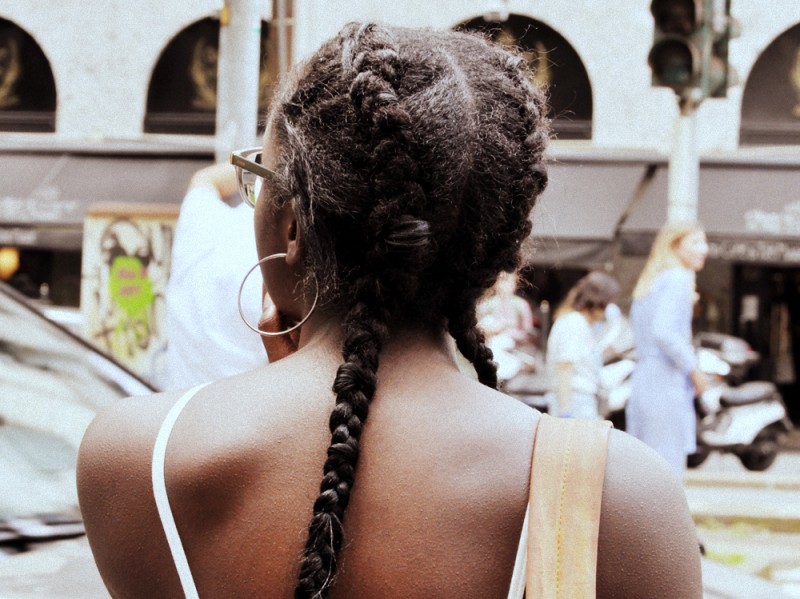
point(270, 333)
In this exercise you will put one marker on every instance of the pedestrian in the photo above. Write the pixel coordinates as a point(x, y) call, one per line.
point(399, 170)
point(507, 321)
point(574, 358)
point(666, 378)
point(213, 249)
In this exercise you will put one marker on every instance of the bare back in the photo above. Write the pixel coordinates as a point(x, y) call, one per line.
point(436, 511)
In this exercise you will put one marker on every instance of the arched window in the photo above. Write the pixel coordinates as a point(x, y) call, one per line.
point(771, 98)
point(182, 97)
point(556, 63)
point(27, 86)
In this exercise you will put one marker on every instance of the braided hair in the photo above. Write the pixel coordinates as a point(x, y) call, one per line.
point(413, 158)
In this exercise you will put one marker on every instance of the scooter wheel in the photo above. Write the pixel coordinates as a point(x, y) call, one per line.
point(761, 453)
point(693, 460)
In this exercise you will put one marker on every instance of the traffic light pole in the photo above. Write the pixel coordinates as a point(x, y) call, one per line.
point(690, 56)
point(237, 76)
point(684, 167)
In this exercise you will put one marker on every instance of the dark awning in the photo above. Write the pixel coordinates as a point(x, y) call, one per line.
point(45, 197)
point(575, 219)
point(751, 213)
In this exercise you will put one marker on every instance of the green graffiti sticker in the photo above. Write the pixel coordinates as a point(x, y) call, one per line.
point(129, 285)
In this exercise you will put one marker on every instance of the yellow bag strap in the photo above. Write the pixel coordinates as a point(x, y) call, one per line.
point(567, 473)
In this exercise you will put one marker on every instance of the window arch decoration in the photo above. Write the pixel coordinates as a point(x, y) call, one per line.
point(182, 96)
point(771, 95)
point(556, 64)
point(27, 85)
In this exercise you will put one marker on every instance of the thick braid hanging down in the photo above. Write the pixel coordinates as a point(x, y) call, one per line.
point(512, 226)
point(395, 242)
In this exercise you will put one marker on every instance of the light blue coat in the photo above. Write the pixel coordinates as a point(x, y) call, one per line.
point(660, 411)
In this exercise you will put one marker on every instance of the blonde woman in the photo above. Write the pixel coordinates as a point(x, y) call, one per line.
point(661, 411)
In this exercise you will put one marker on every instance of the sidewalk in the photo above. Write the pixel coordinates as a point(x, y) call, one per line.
point(728, 492)
point(749, 523)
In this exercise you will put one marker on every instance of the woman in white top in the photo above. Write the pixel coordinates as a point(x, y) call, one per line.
point(573, 357)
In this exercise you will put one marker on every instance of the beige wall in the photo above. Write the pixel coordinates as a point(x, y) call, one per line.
point(102, 53)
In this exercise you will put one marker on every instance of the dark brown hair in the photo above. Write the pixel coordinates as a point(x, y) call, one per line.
point(413, 158)
point(595, 290)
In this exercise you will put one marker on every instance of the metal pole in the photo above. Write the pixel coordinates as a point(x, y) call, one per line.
point(684, 167)
point(283, 50)
point(237, 76)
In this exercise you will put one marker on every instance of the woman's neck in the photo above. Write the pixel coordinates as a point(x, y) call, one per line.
point(323, 331)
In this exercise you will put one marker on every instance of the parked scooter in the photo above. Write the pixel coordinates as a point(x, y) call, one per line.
point(746, 420)
point(520, 372)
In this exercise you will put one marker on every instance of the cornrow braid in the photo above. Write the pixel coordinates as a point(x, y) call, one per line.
point(504, 243)
point(471, 342)
point(396, 247)
point(354, 386)
point(413, 159)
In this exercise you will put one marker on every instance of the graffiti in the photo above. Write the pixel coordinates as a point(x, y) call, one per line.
point(125, 271)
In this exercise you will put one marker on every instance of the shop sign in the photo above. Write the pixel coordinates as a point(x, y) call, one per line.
point(756, 250)
point(785, 222)
point(45, 206)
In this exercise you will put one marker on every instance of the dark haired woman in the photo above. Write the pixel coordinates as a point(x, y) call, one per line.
point(573, 357)
point(398, 172)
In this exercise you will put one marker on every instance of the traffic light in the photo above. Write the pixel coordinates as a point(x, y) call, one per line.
point(716, 74)
point(690, 46)
point(676, 56)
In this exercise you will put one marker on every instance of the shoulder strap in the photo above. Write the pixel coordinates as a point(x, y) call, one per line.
point(160, 493)
point(567, 473)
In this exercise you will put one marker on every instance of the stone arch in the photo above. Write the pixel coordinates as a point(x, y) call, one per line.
point(182, 94)
point(556, 63)
point(27, 85)
point(771, 95)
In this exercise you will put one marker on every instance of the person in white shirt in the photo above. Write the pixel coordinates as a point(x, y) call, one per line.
point(507, 321)
point(213, 250)
point(573, 357)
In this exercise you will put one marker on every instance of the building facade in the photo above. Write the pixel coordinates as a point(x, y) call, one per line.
point(93, 91)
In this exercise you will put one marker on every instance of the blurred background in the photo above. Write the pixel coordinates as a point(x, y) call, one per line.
point(106, 116)
point(107, 108)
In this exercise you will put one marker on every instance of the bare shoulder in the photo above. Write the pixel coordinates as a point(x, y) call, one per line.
point(648, 545)
point(115, 492)
point(121, 434)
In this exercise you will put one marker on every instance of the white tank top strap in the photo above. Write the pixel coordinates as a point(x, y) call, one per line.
point(518, 579)
point(160, 494)
point(518, 576)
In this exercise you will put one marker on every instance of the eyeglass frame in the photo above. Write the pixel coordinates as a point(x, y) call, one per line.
point(239, 161)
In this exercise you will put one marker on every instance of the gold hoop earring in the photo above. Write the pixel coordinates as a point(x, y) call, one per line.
point(270, 333)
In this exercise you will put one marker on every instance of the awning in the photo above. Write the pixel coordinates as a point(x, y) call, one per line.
point(750, 213)
point(45, 197)
point(576, 218)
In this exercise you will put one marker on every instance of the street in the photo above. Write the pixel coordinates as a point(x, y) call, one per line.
point(749, 521)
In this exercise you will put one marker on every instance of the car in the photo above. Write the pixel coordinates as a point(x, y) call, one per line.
point(52, 383)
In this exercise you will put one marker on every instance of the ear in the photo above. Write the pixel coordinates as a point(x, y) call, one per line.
point(292, 236)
